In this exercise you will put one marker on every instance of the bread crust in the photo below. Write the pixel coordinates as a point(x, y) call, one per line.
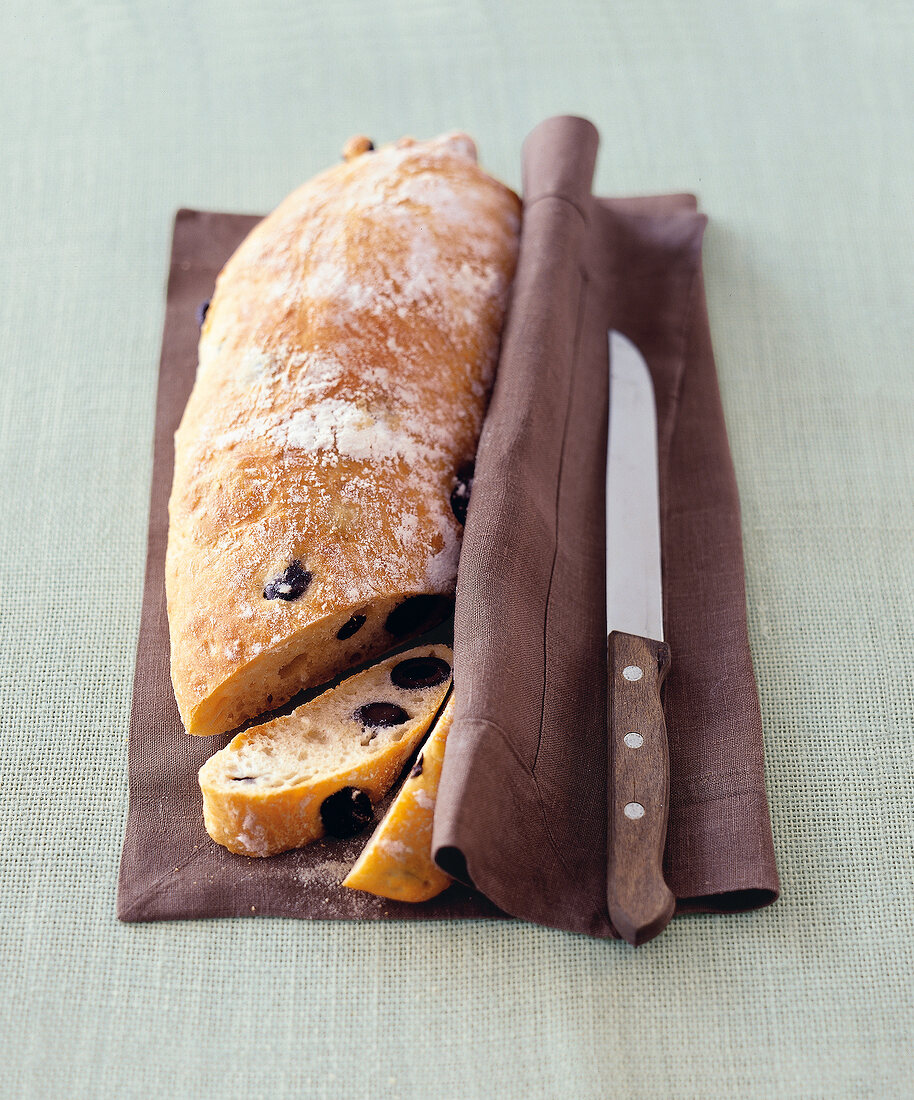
point(345, 364)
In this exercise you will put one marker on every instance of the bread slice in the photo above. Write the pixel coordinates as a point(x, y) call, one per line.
point(397, 862)
point(345, 364)
point(318, 770)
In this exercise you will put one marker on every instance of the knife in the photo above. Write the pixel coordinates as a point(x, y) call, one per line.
point(640, 902)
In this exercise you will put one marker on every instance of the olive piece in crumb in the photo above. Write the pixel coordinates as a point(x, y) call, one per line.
point(381, 715)
point(356, 146)
point(351, 626)
point(417, 613)
point(202, 310)
point(290, 584)
point(346, 812)
point(420, 672)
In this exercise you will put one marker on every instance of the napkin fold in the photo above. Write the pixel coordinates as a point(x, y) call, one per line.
point(521, 811)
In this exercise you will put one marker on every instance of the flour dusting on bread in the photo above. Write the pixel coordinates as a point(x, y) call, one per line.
point(345, 363)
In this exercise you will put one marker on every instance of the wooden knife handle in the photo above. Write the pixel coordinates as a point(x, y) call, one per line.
point(640, 902)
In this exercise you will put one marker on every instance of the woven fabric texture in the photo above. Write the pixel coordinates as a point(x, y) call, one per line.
point(792, 122)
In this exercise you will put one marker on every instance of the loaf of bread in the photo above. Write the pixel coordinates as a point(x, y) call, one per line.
point(345, 363)
point(320, 769)
point(397, 861)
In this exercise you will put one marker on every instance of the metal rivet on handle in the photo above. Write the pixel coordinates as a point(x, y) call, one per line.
point(633, 810)
point(632, 672)
point(633, 740)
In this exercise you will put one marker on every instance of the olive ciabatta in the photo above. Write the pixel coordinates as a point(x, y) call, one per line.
point(320, 769)
point(322, 463)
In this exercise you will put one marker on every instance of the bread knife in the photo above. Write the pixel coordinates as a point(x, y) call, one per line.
point(639, 900)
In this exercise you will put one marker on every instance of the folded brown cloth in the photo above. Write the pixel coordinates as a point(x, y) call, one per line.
point(521, 810)
point(522, 807)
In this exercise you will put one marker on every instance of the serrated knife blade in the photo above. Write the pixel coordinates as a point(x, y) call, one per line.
point(634, 589)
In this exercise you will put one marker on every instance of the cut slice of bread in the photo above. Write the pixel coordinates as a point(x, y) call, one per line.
point(397, 862)
point(321, 768)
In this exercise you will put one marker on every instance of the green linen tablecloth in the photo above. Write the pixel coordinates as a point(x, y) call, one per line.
point(793, 122)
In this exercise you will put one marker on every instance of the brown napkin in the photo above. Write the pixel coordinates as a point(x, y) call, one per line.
point(522, 807)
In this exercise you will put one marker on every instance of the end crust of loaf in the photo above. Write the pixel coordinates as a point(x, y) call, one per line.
point(397, 861)
point(267, 791)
